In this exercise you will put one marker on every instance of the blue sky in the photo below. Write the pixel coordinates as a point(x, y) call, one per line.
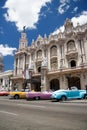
point(39, 17)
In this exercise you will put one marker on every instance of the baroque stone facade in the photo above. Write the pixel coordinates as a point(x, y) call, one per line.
point(54, 62)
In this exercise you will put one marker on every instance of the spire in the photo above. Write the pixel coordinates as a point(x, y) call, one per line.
point(23, 42)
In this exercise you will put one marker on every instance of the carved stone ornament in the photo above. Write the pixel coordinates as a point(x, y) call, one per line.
point(31, 66)
point(44, 62)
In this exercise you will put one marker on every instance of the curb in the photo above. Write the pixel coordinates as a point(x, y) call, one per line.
point(80, 101)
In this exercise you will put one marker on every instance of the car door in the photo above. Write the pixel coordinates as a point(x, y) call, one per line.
point(74, 94)
point(22, 94)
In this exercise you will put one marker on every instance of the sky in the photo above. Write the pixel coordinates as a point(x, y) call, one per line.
point(39, 16)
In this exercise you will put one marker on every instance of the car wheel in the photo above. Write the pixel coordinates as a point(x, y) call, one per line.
point(85, 96)
point(37, 98)
point(16, 97)
point(63, 98)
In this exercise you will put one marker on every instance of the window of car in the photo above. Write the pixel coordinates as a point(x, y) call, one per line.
point(74, 88)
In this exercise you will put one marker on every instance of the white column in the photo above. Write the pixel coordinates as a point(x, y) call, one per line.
point(49, 67)
point(83, 51)
point(43, 80)
point(15, 67)
point(18, 66)
point(58, 55)
point(3, 84)
point(24, 62)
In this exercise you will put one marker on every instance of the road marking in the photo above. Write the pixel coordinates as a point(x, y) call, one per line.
point(31, 105)
point(5, 112)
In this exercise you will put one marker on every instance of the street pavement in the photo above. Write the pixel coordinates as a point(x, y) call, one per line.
point(42, 115)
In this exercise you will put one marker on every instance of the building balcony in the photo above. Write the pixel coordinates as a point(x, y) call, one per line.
point(35, 74)
point(54, 55)
point(39, 59)
point(68, 70)
point(21, 51)
point(19, 76)
point(71, 54)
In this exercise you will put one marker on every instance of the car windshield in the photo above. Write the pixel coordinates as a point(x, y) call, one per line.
point(74, 88)
point(59, 90)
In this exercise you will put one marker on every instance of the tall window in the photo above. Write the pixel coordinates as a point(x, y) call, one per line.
point(39, 54)
point(70, 45)
point(53, 51)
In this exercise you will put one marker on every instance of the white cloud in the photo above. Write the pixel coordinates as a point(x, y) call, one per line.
point(64, 6)
point(58, 30)
point(75, 9)
point(81, 19)
point(64, 1)
point(24, 12)
point(6, 50)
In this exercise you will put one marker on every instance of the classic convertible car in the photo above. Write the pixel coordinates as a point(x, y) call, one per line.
point(73, 93)
point(4, 93)
point(18, 94)
point(38, 95)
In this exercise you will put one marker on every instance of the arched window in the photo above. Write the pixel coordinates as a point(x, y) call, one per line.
point(54, 84)
point(53, 51)
point(39, 69)
point(70, 45)
point(38, 43)
point(73, 63)
point(39, 54)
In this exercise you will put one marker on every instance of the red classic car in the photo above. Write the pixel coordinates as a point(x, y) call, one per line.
point(38, 95)
point(4, 93)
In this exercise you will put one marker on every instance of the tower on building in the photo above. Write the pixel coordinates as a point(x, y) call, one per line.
point(23, 42)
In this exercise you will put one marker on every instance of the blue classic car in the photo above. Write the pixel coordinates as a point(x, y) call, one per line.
point(73, 93)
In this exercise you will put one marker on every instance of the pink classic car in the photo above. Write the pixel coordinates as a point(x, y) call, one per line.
point(38, 95)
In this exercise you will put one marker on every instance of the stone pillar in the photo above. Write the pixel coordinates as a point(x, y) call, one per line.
point(43, 74)
point(49, 64)
point(3, 84)
point(83, 80)
point(43, 79)
point(18, 66)
point(58, 59)
point(35, 68)
point(15, 66)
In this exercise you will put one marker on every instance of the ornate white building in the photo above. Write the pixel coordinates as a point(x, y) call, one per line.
point(56, 62)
